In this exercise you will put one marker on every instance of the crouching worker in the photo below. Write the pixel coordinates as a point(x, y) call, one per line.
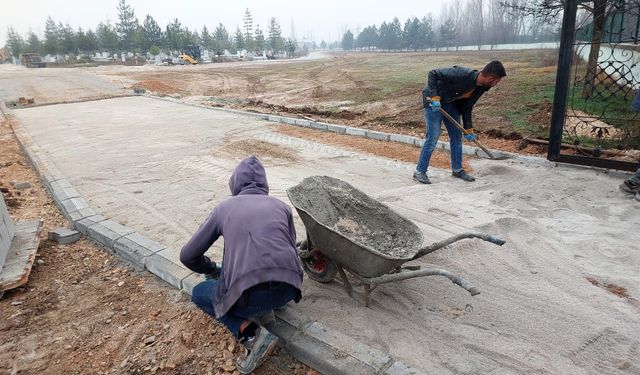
point(632, 185)
point(260, 270)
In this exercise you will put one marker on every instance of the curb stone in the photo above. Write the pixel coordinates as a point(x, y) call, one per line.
point(380, 136)
point(357, 132)
point(84, 224)
point(166, 269)
point(394, 137)
point(136, 248)
point(318, 125)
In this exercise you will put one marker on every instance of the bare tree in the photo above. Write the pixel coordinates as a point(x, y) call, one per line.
point(551, 9)
point(599, 12)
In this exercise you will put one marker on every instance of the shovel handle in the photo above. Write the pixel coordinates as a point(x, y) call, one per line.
point(464, 131)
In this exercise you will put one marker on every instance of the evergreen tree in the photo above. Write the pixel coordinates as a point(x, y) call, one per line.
point(347, 41)
point(290, 45)
point(411, 34)
point(92, 41)
point(68, 39)
point(14, 42)
point(367, 38)
point(33, 45)
point(220, 39)
point(323, 45)
point(51, 41)
point(383, 36)
point(205, 37)
point(275, 35)
point(175, 35)
point(448, 33)
point(139, 42)
point(260, 41)
point(107, 37)
point(191, 38)
point(425, 35)
point(153, 35)
point(239, 40)
point(249, 40)
point(395, 34)
point(84, 44)
point(127, 25)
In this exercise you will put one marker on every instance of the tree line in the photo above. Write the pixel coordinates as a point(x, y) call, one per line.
point(461, 23)
point(131, 35)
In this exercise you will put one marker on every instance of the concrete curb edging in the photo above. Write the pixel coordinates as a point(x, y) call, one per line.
point(322, 348)
point(366, 133)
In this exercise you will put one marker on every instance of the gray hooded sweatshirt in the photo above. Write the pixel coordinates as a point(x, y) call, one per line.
point(259, 238)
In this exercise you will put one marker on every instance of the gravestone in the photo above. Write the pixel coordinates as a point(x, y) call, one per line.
point(18, 246)
point(7, 231)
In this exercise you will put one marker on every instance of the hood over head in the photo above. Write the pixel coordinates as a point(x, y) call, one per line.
point(249, 177)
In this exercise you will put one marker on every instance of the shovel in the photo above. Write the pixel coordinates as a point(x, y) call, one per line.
point(497, 156)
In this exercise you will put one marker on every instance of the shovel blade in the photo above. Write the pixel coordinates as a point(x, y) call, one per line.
point(493, 155)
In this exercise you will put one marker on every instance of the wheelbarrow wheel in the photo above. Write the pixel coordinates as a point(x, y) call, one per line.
point(317, 265)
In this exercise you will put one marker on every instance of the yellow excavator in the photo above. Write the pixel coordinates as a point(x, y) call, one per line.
point(190, 54)
point(188, 59)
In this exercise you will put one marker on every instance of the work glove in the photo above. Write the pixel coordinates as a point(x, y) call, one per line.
point(435, 104)
point(215, 272)
point(470, 136)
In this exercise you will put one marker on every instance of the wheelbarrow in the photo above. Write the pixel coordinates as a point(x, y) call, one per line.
point(348, 231)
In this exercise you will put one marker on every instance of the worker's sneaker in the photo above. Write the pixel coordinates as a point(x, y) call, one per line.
point(265, 319)
point(629, 187)
point(463, 175)
point(262, 347)
point(421, 177)
point(637, 197)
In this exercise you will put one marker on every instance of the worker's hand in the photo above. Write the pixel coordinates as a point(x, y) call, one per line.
point(470, 136)
point(215, 272)
point(435, 104)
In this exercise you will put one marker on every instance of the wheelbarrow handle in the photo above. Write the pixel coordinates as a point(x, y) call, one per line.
point(438, 245)
point(388, 278)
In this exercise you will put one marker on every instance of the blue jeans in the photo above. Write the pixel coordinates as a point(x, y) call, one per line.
point(255, 302)
point(433, 120)
point(635, 179)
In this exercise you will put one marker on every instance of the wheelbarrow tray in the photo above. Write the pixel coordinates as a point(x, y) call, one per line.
point(353, 229)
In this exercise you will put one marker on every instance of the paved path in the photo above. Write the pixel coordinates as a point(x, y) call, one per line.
point(160, 167)
point(54, 85)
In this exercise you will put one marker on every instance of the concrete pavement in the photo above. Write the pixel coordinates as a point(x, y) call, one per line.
point(160, 167)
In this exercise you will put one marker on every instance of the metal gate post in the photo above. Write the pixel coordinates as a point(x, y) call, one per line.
point(563, 75)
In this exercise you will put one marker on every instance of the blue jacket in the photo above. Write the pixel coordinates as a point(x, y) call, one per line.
point(635, 105)
point(259, 238)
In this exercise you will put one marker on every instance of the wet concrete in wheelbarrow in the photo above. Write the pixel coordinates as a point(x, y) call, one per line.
point(359, 218)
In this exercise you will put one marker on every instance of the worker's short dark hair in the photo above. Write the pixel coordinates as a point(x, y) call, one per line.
point(494, 68)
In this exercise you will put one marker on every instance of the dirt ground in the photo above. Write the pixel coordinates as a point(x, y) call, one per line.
point(84, 311)
point(374, 91)
point(390, 150)
point(560, 297)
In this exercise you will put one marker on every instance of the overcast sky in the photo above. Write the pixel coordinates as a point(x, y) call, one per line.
point(325, 20)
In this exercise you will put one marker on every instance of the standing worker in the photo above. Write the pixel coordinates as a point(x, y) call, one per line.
point(260, 270)
point(455, 90)
point(632, 184)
